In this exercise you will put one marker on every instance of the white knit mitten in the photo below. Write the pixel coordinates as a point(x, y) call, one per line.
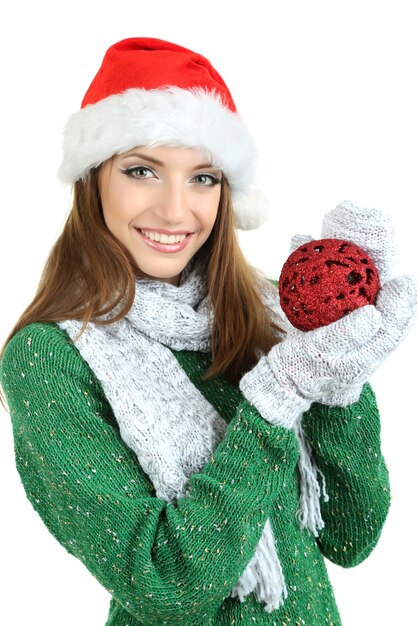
point(369, 228)
point(331, 364)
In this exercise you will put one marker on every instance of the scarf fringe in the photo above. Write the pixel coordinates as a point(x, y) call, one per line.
point(263, 574)
point(309, 513)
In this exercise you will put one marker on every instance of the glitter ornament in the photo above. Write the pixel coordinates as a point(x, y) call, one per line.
point(325, 279)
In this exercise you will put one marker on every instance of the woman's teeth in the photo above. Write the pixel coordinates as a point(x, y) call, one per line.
point(162, 237)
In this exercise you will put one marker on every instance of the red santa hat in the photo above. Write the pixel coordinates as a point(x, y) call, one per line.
point(152, 93)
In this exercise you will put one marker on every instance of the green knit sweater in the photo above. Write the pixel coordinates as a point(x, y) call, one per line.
point(177, 563)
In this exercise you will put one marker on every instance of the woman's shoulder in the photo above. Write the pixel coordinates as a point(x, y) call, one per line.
point(39, 345)
point(41, 362)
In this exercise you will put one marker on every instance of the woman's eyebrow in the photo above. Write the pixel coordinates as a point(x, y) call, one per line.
point(205, 165)
point(144, 157)
point(161, 163)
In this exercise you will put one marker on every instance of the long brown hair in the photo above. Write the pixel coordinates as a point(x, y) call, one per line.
point(88, 273)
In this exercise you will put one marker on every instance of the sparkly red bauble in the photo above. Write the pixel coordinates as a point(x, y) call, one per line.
point(325, 279)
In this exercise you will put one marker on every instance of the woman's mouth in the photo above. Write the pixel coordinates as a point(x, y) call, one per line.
point(163, 237)
point(164, 242)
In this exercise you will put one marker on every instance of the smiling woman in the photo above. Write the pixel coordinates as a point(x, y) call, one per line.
point(161, 205)
point(197, 454)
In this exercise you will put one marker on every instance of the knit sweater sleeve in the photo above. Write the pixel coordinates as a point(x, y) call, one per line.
point(347, 449)
point(162, 562)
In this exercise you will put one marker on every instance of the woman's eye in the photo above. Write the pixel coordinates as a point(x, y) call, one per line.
point(206, 180)
point(139, 171)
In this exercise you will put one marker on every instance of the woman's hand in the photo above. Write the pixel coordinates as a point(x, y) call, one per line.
point(330, 364)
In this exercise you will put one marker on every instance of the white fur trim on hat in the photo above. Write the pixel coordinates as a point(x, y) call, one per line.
point(171, 116)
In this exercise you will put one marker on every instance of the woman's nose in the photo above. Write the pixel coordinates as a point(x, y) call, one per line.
point(173, 203)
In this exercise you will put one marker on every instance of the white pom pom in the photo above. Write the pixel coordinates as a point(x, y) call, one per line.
point(252, 209)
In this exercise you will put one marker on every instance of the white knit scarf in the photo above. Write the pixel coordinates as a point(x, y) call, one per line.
point(165, 419)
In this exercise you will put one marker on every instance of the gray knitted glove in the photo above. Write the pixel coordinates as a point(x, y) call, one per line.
point(371, 229)
point(330, 364)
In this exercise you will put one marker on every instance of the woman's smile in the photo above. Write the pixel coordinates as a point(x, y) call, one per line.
point(163, 242)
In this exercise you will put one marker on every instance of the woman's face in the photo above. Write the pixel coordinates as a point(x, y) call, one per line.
point(161, 205)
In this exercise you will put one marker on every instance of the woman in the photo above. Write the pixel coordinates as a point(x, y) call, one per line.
point(200, 471)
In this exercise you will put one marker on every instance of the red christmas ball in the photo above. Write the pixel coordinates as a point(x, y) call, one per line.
point(325, 279)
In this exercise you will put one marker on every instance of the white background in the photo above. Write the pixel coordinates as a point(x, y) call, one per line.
point(328, 91)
